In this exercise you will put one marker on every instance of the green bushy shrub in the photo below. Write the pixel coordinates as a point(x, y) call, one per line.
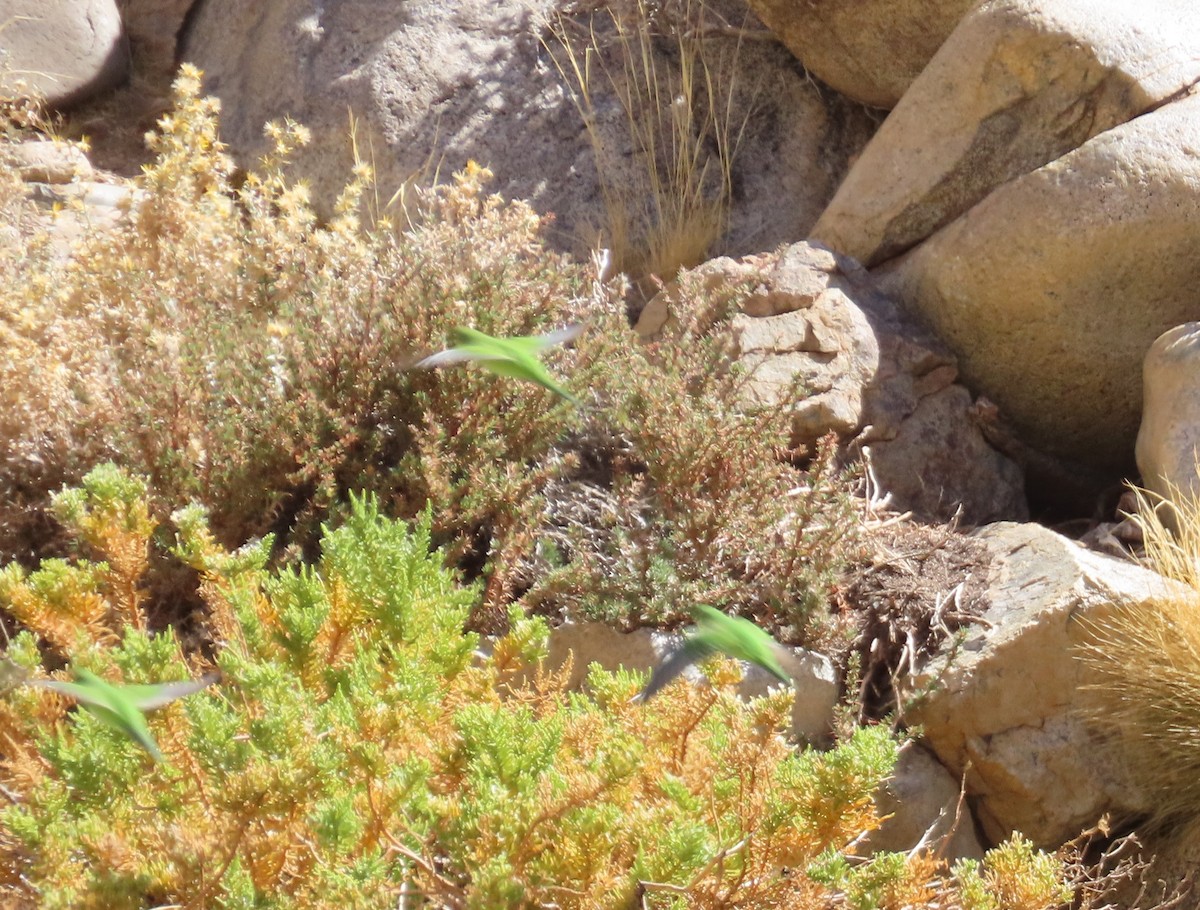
point(361, 750)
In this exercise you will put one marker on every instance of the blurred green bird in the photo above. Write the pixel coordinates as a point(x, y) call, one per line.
point(123, 707)
point(516, 357)
point(716, 632)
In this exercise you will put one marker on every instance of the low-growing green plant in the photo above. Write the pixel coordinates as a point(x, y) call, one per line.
point(891, 881)
point(1014, 876)
point(361, 751)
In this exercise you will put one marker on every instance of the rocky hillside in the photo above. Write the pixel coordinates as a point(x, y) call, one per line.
point(874, 313)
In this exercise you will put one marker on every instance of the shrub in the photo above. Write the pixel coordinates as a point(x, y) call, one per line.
point(359, 749)
point(1014, 876)
point(237, 353)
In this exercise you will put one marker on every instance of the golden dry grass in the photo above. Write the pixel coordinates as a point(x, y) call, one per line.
point(1146, 663)
point(671, 208)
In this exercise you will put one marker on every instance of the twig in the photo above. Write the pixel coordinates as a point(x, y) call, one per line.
point(944, 839)
point(661, 886)
point(732, 31)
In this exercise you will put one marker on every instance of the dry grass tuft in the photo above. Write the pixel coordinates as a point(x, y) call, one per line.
point(1147, 660)
point(667, 210)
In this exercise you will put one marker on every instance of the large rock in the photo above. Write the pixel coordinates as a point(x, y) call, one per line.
point(870, 50)
point(588, 642)
point(1008, 706)
point(922, 804)
point(435, 84)
point(823, 340)
point(814, 679)
point(47, 161)
point(936, 463)
point(1052, 288)
point(1168, 441)
point(869, 375)
point(75, 211)
point(61, 50)
point(1018, 84)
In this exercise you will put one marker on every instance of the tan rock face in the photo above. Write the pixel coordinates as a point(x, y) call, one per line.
point(73, 200)
point(939, 460)
point(920, 805)
point(587, 642)
point(46, 161)
point(1051, 290)
point(1168, 442)
point(435, 84)
point(869, 50)
point(1016, 85)
point(878, 381)
point(62, 50)
point(1009, 701)
point(78, 210)
point(829, 347)
point(153, 28)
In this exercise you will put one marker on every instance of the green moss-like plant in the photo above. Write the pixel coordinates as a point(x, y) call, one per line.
point(1014, 876)
point(360, 751)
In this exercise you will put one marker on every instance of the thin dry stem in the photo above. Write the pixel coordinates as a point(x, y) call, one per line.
point(683, 131)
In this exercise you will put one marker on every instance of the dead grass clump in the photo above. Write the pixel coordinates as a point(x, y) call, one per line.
point(914, 588)
point(1146, 659)
point(1106, 871)
point(666, 176)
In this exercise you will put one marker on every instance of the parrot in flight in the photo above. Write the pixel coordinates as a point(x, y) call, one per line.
point(123, 707)
point(716, 632)
point(516, 357)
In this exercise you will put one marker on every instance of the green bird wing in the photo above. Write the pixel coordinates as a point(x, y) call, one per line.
point(12, 674)
point(739, 638)
point(690, 652)
point(521, 366)
point(147, 698)
point(121, 707)
point(89, 690)
point(518, 344)
point(453, 355)
point(513, 357)
point(472, 344)
point(106, 702)
point(528, 369)
point(717, 633)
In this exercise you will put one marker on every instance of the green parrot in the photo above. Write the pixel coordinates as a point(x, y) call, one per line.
point(122, 707)
point(516, 357)
point(716, 632)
